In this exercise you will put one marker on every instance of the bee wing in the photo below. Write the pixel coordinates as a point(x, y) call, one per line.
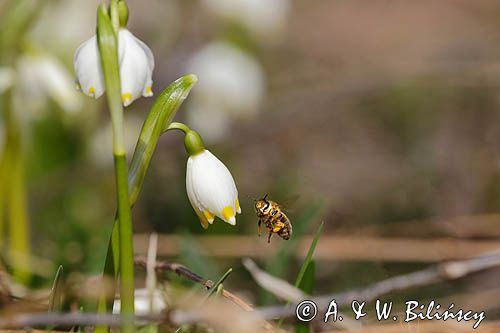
point(288, 205)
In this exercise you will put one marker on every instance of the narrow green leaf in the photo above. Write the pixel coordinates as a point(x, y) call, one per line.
point(159, 117)
point(279, 264)
point(307, 286)
point(220, 290)
point(309, 255)
point(306, 262)
point(56, 294)
point(218, 283)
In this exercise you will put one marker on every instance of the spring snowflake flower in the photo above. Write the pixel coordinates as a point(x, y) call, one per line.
point(42, 76)
point(232, 87)
point(211, 189)
point(136, 67)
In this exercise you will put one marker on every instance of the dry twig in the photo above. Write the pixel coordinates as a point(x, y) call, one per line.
point(437, 273)
point(190, 275)
point(434, 274)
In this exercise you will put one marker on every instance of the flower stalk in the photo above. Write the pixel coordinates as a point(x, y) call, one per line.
point(107, 30)
point(13, 200)
point(159, 118)
point(14, 217)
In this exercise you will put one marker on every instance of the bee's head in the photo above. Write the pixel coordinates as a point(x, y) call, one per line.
point(261, 205)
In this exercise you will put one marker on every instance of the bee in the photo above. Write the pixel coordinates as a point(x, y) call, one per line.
point(274, 219)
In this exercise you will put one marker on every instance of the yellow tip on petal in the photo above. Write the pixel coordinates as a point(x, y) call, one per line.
point(127, 99)
point(228, 215)
point(210, 217)
point(148, 92)
point(203, 222)
point(91, 92)
point(238, 208)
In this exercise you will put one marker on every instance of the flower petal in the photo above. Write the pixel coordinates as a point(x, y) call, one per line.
point(210, 217)
point(237, 206)
point(192, 197)
point(135, 67)
point(228, 215)
point(213, 186)
point(88, 68)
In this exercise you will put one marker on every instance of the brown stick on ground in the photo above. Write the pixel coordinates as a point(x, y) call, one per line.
point(208, 284)
point(188, 274)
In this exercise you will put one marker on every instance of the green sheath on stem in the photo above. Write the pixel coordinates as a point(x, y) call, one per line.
point(108, 49)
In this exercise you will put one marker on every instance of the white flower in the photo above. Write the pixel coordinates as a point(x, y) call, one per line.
point(211, 189)
point(136, 67)
point(41, 76)
point(231, 86)
point(265, 19)
point(144, 304)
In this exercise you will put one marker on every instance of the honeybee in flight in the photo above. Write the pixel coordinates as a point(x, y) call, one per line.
point(273, 218)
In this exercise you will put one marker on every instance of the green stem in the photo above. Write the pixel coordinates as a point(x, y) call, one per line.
point(159, 118)
point(14, 194)
point(4, 169)
point(18, 219)
point(108, 49)
point(177, 126)
point(125, 240)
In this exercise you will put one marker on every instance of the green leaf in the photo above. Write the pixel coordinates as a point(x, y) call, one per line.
point(158, 119)
point(306, 263)
point(309, 255)
point(281, 261)
point(307, 286)
point(160, 116)
point(56, 294)
point(220, 290)
point(219, 283)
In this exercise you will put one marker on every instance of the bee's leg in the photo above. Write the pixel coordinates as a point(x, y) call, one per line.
point(259, 227)
point(269, 237)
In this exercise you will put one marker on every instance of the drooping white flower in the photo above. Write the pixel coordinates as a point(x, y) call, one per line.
point(266, 20)
point(42, 76)
point(211, 189)
point(88, 68)
point(231, 86)
point(136, 67)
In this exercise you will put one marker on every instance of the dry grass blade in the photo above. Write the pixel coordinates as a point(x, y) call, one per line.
point(56, 294)
point(274, 285)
